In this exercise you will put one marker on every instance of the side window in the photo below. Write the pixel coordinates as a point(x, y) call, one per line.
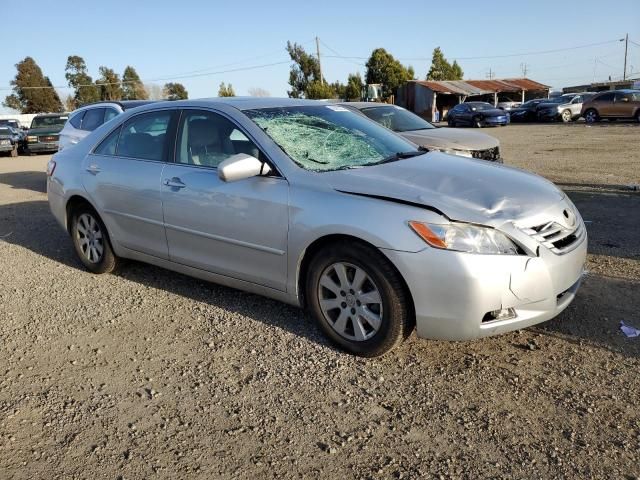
point(206, 139)
point(76, 119)
point(143, 136)
point(607, 97)
point(92, 119)
point(623, 97)
point(109, 114)
point(108, 145)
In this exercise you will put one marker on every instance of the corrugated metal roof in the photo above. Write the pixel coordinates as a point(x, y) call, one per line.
point(481, 87)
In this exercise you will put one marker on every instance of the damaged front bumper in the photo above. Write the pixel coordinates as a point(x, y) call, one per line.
point(454, 293)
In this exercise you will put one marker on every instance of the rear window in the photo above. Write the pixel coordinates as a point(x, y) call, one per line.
point(76, 120)
point(92, 119)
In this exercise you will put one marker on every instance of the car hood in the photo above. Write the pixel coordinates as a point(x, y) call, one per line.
point(494, 112)
point(6, 137)
point(455, 138)
point(44, 131)
point(462, 189)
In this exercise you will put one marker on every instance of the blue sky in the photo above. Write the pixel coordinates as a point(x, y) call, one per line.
point(163, 39)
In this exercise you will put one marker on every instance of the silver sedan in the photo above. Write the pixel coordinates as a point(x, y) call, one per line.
point(317, 206)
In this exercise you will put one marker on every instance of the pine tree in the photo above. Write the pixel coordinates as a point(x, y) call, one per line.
point(441, 69)
point(78, 78)
point(33, 92)
point(354, 87)
point(110, 85)
point(383, 68)
point(132, 86)
point(226, 90)
point(175, 91)
point(305, 70)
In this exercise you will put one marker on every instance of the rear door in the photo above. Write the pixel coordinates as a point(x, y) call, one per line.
point(623, 105)
point(237, 229)
point(122, 176)
point(605, 104)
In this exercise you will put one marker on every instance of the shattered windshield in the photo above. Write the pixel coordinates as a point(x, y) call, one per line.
point(328, 137)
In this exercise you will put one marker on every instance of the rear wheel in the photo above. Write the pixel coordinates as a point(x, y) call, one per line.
point(358, 299)
point(91, 241)
point(567, 116)
point(591, 116)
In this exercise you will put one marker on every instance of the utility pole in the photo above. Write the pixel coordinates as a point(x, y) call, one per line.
point(626, 47)
point(319, 64)
point(525, 68)
point(491, 74)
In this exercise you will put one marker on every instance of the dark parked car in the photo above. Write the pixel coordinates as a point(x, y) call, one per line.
point(9, 140)
point(476, 114)
point(528, 111)
point(618, 104)
point(44, 133)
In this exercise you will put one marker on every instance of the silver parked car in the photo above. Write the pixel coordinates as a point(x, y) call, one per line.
point(417, 130)
point(86, 119)
point(315, 205)
point(565, 107)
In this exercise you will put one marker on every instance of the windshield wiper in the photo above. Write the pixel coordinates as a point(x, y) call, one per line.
point(399, 156)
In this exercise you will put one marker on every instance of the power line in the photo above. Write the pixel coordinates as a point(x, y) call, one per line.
point(540, 52)
point(254, 67)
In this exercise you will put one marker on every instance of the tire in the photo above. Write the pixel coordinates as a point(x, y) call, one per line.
point(477, 122)
point(591, 116)
point(452, 123)
point(638, 116)
point(341, 311)
point(91, 241)
point(566, 116)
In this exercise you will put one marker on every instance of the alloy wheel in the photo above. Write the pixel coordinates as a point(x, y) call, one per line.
point(591, 116)
point(566, 116)
point(90, 238)
point(350, 301)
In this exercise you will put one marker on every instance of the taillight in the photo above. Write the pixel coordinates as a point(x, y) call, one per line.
point(51, 167)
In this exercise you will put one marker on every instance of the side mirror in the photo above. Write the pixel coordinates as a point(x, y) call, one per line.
point(241, 166)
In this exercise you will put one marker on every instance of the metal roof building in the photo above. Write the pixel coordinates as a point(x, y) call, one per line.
point(424, 96)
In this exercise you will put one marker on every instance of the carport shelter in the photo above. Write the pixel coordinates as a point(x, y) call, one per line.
point(423, 96)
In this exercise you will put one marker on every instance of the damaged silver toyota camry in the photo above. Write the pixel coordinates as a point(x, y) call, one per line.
point(317, 206)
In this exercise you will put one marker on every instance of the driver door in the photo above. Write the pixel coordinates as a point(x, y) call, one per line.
point(237, 229)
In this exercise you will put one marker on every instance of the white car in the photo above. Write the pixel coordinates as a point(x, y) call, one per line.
point(86, 119)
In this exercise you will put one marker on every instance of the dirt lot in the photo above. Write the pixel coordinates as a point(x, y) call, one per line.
point(150, 374)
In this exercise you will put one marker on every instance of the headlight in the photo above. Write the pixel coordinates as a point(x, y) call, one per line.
point(5, 142)
point(32, 138)
point(452, 151)
point(464, 237)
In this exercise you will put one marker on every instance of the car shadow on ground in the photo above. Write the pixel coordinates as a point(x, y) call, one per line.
point(611, 219)
point(33, 180)
point(593, 318)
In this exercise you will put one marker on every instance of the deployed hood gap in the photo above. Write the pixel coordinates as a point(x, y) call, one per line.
point(396, 200)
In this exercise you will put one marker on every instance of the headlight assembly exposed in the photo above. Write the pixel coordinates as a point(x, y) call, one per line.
point(464, 237)
point(451, 151)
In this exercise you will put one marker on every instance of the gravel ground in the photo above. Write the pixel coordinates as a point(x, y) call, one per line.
point(151, 374)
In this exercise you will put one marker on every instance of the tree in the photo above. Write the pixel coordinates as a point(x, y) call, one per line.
point(318, 90)
point(383, 68)
point(305, 69)
point(353, 91)
point(70, 103)
point(441, 69)
point(258, 92)
point(110, 84)
point(339, 89)
point(175, 91)
point(78, 78)
point(132, 87)
point(32, 91)
point(226, 90)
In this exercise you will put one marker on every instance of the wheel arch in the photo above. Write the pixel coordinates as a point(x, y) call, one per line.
point(330, 239)
point(74, 202)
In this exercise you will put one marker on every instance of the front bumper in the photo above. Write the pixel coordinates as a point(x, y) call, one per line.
point(34, 147)
point(453, 292)
point(6, 148)
point(496, 120)
point(548, 115)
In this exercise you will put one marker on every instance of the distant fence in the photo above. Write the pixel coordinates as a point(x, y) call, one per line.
point(24, 119)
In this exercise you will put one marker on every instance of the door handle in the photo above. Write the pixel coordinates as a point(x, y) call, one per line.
point(174, 182)
point(93, 168)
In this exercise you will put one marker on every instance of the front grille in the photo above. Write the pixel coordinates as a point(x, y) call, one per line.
point(491, 154)
point(557, 238)
point(48, 138)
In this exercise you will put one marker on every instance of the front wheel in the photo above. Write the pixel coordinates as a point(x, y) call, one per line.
point(91, 241)
point(477, 122)
point(591, 116)
point(567, 116)
point(358, 299)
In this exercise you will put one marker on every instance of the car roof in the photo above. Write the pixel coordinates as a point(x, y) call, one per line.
point(363, 105)
point(241, 103)
point(40, 115)
point(124, 104)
